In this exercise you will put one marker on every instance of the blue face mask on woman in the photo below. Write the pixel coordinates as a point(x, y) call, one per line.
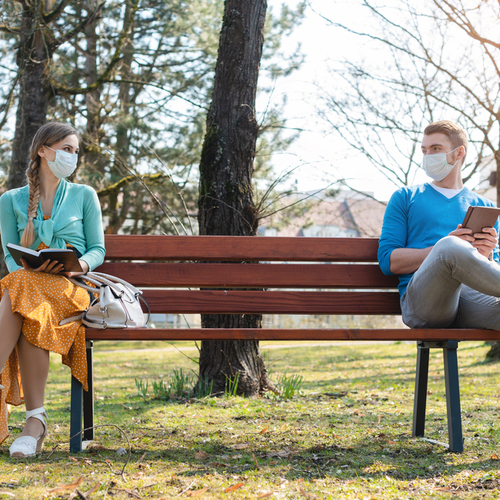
point(64, 164)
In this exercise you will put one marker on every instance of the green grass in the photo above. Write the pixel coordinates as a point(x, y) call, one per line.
point(346, 434)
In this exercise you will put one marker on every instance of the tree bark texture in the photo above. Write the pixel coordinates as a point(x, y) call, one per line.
point(226, 204)
point(494, 352)
point(35, 50)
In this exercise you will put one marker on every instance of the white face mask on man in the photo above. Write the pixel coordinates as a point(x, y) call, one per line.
point(436, 165)
point(64, 164)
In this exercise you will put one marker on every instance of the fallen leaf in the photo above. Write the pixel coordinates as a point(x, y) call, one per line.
point(494, 457)
point(66, 487)
point(255, 460)
point(263, 430)
point(239, 446)
point(283, 427)
point(201, 455)
point(283, 453)
point(234, 487)
point(8, 493)
point(236, 456)
point(93, 490)
point(196, 493)
point(264, 495)
point(300, 489)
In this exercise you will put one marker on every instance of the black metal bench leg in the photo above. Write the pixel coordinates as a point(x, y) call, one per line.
point(455, 438)
point(75, 442)
point(420, 399)
point(88, 397)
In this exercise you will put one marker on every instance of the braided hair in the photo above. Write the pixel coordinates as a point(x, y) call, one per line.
point(46, 135)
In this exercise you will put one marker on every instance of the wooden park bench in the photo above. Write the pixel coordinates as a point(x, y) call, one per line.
point(170, 269)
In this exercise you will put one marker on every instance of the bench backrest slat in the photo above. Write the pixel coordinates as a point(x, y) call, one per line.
point(282, 302)
point(251, 275)
point(241, 248)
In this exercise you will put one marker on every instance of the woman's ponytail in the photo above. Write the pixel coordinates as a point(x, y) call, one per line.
point(34, 186)
point(46, 135)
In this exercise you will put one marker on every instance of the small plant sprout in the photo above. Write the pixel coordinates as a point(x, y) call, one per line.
point(288, 386)
point(160, 390)
point(179, 382)
point(204, 388)
point(231, 386)
point(142, 388)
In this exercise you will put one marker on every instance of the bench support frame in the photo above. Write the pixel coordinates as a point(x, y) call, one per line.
point(82, 403)
point(455, 439)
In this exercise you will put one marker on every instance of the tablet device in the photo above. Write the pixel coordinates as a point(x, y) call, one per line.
point(478, 217)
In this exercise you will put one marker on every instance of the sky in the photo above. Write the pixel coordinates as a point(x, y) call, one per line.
point(320, 156)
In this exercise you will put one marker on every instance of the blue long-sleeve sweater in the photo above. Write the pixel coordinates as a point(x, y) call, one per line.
point(75, 219)
point(418, 217)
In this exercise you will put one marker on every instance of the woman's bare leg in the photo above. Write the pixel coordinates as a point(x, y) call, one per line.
point(34, 365)
point(10, 328)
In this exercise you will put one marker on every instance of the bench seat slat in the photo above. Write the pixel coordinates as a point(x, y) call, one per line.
point(241, 248)
point(260, 275)
point(255, 302)
point(396, 334)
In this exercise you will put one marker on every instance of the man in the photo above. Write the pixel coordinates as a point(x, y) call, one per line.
point(448, 277)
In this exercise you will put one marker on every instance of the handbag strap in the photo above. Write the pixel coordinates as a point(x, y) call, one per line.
point(100, 279)
point(111, 280)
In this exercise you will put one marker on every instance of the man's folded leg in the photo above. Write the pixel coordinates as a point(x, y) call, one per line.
point(433, 295)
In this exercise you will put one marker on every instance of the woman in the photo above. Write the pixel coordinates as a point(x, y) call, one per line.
point(48, 213)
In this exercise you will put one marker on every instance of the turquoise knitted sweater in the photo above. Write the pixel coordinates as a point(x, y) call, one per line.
point(419, 216)
point(75, 219)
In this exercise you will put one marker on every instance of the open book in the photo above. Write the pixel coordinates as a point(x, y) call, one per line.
point(36, 258)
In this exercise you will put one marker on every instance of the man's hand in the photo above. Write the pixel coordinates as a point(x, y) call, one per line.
point(49, 266)
point(486, 241)
point(463, 233)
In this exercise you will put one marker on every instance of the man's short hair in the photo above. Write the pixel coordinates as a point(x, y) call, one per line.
point(452, 130)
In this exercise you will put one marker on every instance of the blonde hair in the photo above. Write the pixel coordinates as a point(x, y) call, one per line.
point(452, 130)
point(46, 135)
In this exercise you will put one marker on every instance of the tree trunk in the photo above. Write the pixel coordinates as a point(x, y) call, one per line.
point(94, 161)
point(494, 352)
point(32, 57)
point(226, 204)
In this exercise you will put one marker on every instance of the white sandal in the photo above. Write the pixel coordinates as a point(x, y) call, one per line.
point(28, 446)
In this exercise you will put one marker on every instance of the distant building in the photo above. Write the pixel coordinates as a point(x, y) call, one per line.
point(346, 215)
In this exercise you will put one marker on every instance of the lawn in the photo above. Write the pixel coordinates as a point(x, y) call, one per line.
point(347, 434)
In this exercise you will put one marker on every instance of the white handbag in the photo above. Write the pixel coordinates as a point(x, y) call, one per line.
point(117, 306)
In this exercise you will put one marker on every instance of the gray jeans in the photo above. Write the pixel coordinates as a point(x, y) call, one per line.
point(454, 287)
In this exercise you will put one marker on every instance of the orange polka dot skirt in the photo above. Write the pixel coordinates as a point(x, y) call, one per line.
point(43, 300)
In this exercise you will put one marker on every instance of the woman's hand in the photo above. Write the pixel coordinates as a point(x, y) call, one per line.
point(49, 266)
point(85, 268)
